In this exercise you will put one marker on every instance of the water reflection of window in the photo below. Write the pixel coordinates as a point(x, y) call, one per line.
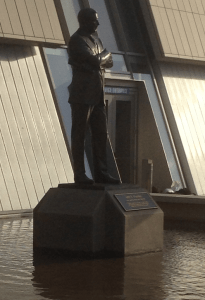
point(105, 29)
point(119, 64)
point(71, 9)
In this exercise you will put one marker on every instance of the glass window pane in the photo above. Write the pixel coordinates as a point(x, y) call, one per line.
point(139, 64)
point(161, 125)
point(62, 77)
point(119, 64)
point(105, 30)
point(71, 9)
point(130, 25)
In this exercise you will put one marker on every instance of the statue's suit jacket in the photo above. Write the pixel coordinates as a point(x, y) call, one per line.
point(87, 85)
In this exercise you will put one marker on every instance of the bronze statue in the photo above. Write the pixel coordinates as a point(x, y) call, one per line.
point(88, 59)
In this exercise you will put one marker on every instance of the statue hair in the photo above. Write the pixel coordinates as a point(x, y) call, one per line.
point(85, 14)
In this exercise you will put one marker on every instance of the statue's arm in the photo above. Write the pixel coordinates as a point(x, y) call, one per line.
point(105, 58)
point(80, 53)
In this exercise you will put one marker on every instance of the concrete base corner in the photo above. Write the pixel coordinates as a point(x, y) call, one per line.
point(91, 220)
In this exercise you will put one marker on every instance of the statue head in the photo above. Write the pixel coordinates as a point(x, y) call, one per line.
point(88, 20)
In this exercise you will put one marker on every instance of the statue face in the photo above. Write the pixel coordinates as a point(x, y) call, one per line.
point(92, 23)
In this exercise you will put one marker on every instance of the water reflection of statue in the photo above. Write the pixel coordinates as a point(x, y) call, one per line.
point(133, 277)
point(88, 59)
point(62, 279)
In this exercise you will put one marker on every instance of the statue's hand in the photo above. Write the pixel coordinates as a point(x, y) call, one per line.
point(105, 58)
point(109, 63)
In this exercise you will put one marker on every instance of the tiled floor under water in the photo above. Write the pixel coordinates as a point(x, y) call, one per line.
point(176, 273)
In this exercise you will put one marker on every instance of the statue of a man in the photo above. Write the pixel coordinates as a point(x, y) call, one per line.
point(88, 59)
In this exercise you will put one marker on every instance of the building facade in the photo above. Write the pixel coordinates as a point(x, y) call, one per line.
point(154, 94)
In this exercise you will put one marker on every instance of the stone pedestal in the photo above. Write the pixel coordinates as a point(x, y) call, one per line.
point(91, 220)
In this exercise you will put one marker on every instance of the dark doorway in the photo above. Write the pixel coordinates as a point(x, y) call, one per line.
point(122, 139)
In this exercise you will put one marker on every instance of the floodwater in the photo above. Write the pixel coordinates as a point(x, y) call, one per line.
point(177, 273)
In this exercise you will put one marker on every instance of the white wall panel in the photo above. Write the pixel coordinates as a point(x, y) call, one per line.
point(24, 18)
point(30, 20)
point(45, 22)
point(174, 4)
point(53, 17)
point(185, 51)
point(168, 30)
point(4, 19)
point(174, 31)
point(190, 36)
point(20, 133)
point(33, 153)
point(194, 7)
point(12, 140)
point(10, 191)
point(162, 32)
point(179, 24)
point(34, 19)
point(14, 17)
point(200, 6)
point(179, 5)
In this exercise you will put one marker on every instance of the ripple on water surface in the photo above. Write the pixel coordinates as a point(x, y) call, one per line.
point(16, 259)
point(175, 274)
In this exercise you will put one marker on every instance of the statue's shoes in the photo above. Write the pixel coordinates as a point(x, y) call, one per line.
point(107, 178)
point(83, 179)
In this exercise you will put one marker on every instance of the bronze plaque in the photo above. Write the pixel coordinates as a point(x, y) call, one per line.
point(136, 201)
